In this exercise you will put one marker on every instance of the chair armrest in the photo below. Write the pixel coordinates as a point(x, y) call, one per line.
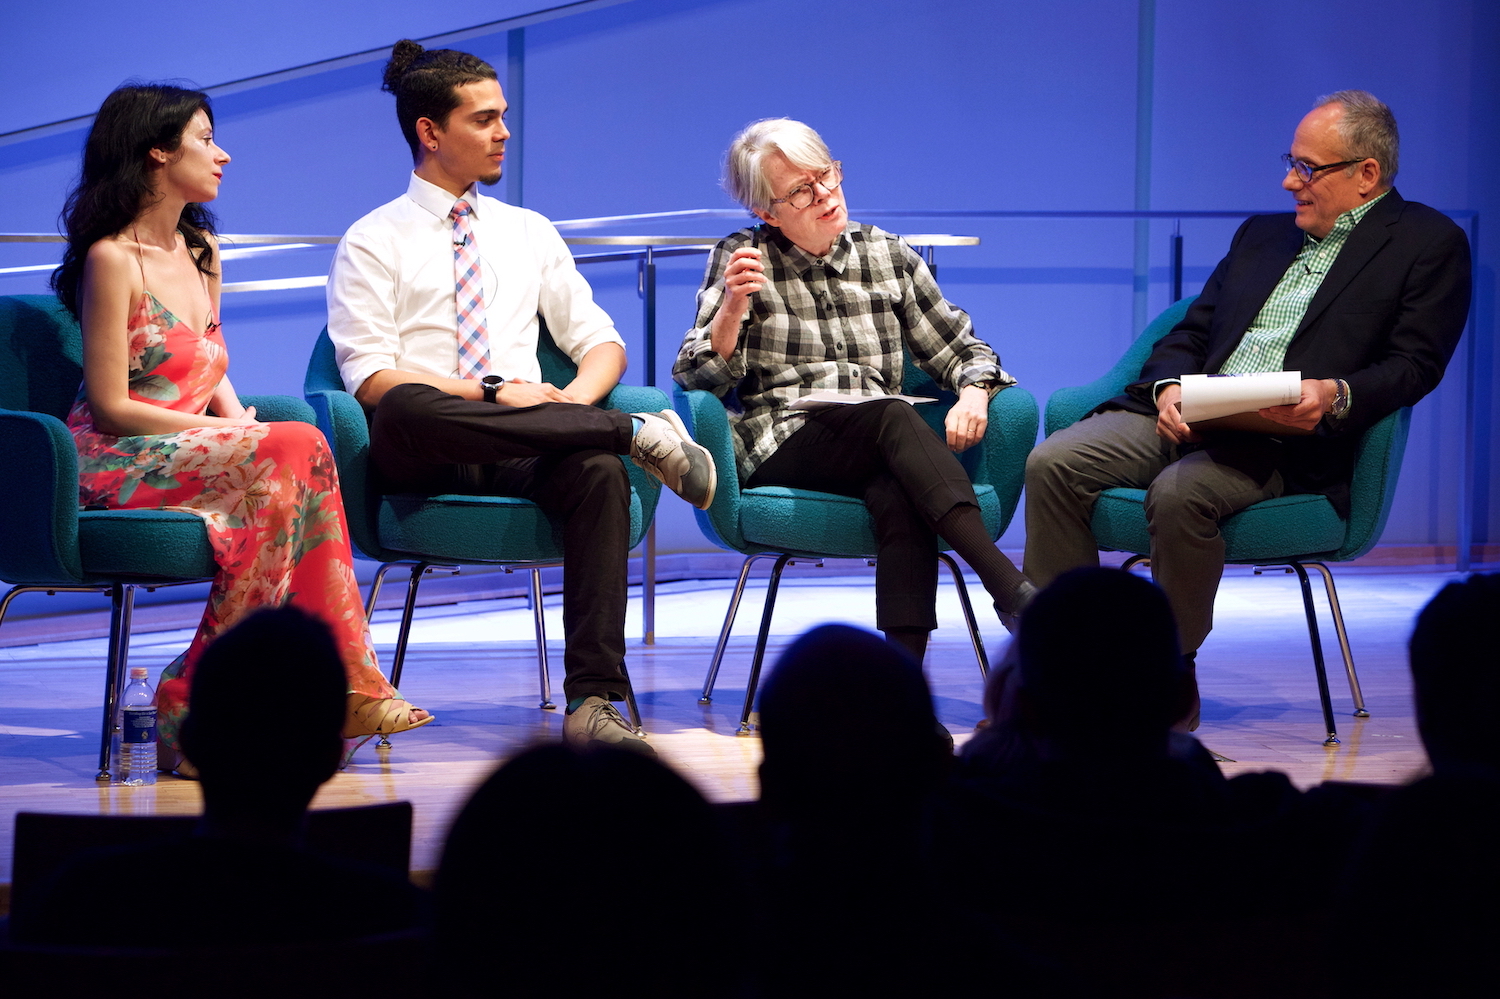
point(1377, 468)
point(343, 422)
point(39, 505)
point(1067, 406)
point(707, 421)
point(1000, 460)
point(280, 409)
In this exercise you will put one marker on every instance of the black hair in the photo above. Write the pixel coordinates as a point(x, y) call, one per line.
point(1452, 674)
point(303, 751)
point(1099, 658)
point(426, 82)
point(115, 186)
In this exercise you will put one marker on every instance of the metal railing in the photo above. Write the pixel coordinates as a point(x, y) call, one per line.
point(651, 248)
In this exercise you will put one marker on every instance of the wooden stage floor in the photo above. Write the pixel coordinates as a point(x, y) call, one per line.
point(473, 665)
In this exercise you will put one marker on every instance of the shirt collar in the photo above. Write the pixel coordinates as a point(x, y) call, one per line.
point(438, 201)
point(1345, 223)
point(836, 259)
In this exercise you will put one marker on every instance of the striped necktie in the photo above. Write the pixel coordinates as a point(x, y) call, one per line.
point(468, 287)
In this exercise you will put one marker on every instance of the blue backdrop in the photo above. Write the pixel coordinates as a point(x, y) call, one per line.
point(625, 107)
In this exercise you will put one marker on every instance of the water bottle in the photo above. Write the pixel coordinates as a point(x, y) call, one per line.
point(134, 756)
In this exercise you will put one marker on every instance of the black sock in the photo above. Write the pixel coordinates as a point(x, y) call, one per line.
point(964, 529)
point(913, 640)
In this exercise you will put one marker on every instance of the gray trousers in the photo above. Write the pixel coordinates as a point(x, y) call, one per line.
point(1189, 489)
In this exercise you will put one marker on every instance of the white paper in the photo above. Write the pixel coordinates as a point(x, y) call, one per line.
point(820, 400)
point(1209, 397)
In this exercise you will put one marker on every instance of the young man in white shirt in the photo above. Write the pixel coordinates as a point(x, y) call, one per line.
point(434, 306)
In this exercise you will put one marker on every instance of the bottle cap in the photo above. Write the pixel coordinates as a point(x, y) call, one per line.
point(138, 672)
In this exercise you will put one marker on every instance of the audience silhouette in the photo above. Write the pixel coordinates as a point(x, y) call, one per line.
point(1419, 901)
point(243, 877)
point(852, 895)
point(1079, 846)
point(524, 907)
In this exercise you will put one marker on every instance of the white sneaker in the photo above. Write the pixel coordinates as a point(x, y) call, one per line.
point(597, 721)
point(663, 448)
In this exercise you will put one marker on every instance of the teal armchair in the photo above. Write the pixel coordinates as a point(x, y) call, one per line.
point(1298, 531)
point(49, 545)
point(425, 532)
point(786, 524)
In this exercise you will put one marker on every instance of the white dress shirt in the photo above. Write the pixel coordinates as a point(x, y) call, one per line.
point(391, 300)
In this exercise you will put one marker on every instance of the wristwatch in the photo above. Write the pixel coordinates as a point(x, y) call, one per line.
point(491, 386)
point(1340, 407)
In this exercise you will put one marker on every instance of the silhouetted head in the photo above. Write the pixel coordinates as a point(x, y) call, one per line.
point(1453, 674)
point(846, 717)
point(266, 713)
point(560, 841)
point(1100, 662)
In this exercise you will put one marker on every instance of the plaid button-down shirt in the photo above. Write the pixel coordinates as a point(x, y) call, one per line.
point(834, 323)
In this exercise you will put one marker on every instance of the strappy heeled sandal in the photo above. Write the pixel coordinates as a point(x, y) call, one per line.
point(371, 716)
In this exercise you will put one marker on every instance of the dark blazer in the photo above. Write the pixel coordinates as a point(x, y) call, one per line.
point(1386, 320)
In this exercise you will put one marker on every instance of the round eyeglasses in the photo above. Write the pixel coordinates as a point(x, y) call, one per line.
point(801, 197)
point(1307, 171)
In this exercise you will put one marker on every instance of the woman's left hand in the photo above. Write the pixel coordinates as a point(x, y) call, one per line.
point(968, 418)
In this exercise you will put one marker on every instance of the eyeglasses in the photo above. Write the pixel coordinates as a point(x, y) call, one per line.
point(803, 196)
point(1307, 170)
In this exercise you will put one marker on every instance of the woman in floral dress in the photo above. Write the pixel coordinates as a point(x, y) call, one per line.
point(158, 424)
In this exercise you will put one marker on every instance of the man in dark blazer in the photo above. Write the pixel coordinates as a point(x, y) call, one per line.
point(1361, 291)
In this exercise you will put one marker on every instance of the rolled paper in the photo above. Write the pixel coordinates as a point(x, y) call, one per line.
point(1209, 397)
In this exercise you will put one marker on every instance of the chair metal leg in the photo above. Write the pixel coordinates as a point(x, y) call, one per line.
point(734, 607)
point(16, 591)
point(121, 606)
point(760, 642)
point(543, 675)
point(1338, 626)
point(376, 585)
point(635, 711)
point(968, 608)
point(1317, 651)
point(408, 612)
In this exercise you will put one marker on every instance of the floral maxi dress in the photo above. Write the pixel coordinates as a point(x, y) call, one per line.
point(268, 495)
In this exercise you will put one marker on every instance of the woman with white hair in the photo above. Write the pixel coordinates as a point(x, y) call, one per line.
point(809, 301)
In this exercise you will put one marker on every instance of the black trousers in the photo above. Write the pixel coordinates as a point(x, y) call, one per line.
point(564, 458)
point(881, 452)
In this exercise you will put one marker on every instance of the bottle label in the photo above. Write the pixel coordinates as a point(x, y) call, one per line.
point(140, 725)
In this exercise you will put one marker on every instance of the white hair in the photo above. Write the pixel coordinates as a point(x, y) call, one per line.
point(1368, 129)
point(744, 163)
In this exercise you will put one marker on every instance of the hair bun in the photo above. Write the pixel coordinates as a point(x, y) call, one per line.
point(403, 54)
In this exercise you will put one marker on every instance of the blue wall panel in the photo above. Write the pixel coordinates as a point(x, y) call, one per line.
point(963, 104)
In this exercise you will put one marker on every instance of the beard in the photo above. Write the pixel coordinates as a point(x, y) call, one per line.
point(491, 179)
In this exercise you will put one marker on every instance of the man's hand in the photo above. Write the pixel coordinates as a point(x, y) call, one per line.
point(968, 418)
point(520, 393)
point(1306, 413)
point(1169, 425)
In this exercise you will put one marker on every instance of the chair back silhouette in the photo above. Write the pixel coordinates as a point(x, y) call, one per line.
point(802, 524)
point(1298, 531)
point(49, 545)
point(449, 529)
point(377, 835)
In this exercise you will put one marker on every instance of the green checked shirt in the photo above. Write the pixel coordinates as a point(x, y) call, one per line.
point(1263, 348)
